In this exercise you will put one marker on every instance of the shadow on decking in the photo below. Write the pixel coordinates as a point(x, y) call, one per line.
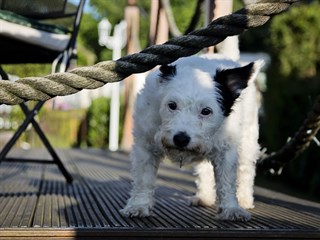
point(35, 201)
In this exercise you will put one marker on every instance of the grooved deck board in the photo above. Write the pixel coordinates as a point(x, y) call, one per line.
point(37, 203)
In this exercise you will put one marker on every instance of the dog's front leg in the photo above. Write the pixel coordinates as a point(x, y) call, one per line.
point(144, 171)
point(225, 171)
point(206, 193)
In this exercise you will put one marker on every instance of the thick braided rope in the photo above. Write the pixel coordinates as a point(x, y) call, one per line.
point(293, 148)
point(91, 77)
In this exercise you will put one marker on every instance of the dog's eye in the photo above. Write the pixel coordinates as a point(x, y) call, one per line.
point(172, 105)
point(206, 111)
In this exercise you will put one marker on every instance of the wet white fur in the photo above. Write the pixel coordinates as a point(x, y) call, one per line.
point(230, 143)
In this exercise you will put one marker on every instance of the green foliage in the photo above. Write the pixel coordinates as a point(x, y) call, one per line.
point(183, 12)
point(295, 38)
point(27, 70)
point(111, 9)
point(144, 7)
point(60, 126)
point(16, 116)
point(237, 4)
point(255, 40)
point(88, 38)
point(98, 122)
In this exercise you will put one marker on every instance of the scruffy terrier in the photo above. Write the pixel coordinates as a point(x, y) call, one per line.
point(200, 110)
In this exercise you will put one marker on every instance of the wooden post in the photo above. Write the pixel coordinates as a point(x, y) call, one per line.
point(159, 27)
point(222, 8)
point(132, 18)
point(214, 10)
point(209, 15)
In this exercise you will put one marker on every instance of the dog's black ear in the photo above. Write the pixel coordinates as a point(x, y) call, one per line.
point(230, 83)
point(167, 72)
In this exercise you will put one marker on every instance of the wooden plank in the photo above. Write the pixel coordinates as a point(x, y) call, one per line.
point(62, 209)
point(10, 211)
point(27, 217)
point(55, 222)
point(104, 210)
point(39, 212)
point(4, 201)
point(18, 215)
point(94, 209)
point(113, 206)
point(71, 222)
point(75, 207)
point(285, 218)
point(89, 211)
point(83, 205)
point(47, 208)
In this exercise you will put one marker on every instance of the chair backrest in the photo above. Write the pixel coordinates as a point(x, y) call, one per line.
point(65, 13)
point(47, 9)
point(39, 9)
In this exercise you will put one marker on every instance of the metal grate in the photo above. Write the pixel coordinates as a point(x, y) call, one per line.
point(35, 201)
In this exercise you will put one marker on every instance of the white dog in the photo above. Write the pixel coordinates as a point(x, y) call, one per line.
point(203, 110)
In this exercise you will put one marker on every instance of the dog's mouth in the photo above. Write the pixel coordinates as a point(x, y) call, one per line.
point(183, 155)
point(190, 153)
point(194, 150)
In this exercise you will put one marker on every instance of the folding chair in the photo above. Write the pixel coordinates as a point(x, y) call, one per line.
point(27, 37)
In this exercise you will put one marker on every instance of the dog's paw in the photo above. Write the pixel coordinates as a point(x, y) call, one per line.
point(198, 201)
point(138, 206)
point(246, 203)
point(136, 211)
point(233, 214)
point(245, 198)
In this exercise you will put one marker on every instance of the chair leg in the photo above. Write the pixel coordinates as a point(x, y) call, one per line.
point(45, 140)
point(3, 74)
point(30, 114)
point(15, 137)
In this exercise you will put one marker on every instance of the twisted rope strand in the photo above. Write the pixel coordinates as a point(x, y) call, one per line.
point(300, 142)
point(91, 77)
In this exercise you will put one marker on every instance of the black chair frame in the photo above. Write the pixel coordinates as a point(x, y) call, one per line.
point(31, 113)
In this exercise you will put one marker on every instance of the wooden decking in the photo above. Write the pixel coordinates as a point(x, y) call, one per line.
point(37, 203)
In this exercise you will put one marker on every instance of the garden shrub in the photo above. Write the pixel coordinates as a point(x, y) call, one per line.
point(98, 119)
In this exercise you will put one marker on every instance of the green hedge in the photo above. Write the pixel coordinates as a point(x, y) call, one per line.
point(60, 127)
point(98, 119)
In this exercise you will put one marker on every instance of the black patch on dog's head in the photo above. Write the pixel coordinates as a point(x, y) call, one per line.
point(230, 84)
point(167, 72)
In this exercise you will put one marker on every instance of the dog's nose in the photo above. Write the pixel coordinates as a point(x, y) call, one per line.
point(181, 139)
